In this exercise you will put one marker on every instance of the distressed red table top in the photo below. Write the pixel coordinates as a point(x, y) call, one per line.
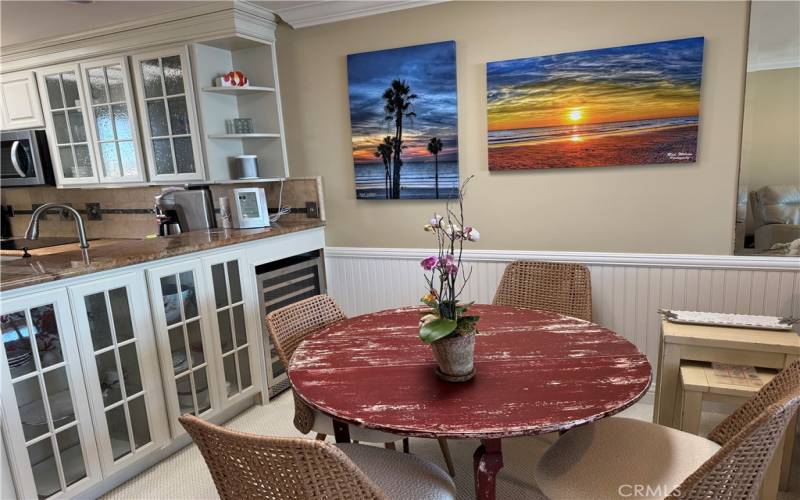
point(537, 372)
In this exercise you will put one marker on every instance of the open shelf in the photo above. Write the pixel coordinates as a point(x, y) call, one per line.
point(238, 90)
point(243, 136)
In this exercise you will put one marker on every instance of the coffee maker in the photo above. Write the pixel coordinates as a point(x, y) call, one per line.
point(179, 210)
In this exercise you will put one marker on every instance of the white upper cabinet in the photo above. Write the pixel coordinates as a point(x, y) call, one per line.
point(65, 114)
point(19, 101)
point(112, 120)
point(169, 121)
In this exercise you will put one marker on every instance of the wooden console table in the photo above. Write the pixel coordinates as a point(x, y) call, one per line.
point(741, 346)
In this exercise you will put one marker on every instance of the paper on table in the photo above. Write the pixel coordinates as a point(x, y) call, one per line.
point(736, 375)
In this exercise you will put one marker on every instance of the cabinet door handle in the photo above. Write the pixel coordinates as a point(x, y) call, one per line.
point(15, 159)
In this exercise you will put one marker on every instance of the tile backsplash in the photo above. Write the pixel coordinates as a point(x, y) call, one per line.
point(128, 212)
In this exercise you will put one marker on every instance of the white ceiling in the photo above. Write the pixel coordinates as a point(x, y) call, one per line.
point(26, 20)
point(774, 35)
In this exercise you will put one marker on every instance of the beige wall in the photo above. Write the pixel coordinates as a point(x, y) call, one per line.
point(662, 209)
point(770, 146)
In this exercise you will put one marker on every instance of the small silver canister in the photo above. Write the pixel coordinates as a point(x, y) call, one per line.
point(245, 167)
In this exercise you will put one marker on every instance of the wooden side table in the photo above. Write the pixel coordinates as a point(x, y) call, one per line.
point(741, 346)
point(699, 385)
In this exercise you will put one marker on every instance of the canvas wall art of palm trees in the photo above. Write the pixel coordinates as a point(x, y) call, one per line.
point(630, 105)
point(404, 122)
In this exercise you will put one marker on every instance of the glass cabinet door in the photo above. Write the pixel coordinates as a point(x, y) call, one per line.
point(167, 106)
point(113, 120)
point(117, 345)
point(183, 348)
point(47, 421)
point(231, 327)
point(62, 99)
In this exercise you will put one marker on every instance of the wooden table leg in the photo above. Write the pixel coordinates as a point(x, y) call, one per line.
point(341, 431)
point(690, 411)
point(669, 375)
point(487, 462)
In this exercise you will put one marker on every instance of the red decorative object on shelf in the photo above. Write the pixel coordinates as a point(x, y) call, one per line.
point(233, 79)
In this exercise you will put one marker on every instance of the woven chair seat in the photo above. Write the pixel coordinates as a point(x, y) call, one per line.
point(401, 476)
point(607, 460)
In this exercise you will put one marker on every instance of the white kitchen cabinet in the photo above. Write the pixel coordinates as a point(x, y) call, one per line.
point(19, 101)
point(169, 119)
point(234, 326)
point(181, 319)
point(121, 369)
point(65, 111)
point(46, 417)
point(112, 120)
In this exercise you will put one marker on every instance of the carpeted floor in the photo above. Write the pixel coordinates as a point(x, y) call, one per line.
point(184, 475)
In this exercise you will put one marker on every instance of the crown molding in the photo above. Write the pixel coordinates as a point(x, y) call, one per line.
point(306, 14)
point(191, 24)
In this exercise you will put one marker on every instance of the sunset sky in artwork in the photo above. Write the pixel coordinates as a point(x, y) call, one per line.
point(430, 71)
point(635, 82)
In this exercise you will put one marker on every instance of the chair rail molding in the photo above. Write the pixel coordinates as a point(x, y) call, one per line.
point(624, 259)
point(627, 288)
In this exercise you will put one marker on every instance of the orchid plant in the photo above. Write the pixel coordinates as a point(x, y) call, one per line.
point(446, 315)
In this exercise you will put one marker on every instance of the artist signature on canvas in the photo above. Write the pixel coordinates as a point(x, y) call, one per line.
point(680, 156)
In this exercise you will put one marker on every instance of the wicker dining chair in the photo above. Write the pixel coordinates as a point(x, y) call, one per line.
point(598, 460)
point(247, 466)
point(552, 286)
point(290, 325)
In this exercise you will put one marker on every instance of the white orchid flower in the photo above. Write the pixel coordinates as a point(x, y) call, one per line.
point(471, 234)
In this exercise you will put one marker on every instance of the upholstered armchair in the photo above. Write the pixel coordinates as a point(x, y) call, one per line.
point(776, 213)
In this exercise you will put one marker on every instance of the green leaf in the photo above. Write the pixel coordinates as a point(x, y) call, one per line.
point(436, 329)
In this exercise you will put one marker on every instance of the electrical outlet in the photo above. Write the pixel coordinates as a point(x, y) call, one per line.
point(93, 211)
point(312, 212)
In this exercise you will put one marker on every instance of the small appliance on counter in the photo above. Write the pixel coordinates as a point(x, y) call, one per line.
point(24, 158)
point(249, 208)
point(179, 210)
point(245, 167)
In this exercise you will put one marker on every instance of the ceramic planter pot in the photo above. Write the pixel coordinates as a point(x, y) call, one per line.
point(455, 357)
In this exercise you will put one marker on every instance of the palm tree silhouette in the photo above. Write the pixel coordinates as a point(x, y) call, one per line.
point(399, 102)
point(384, 152)
point(434, 147)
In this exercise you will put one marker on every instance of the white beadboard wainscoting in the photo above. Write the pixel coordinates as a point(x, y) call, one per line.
point(627, 289)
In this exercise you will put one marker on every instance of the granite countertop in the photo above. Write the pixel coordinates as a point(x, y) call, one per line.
point(44, 268)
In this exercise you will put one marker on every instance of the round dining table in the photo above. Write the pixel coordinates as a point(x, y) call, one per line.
point(537, 372)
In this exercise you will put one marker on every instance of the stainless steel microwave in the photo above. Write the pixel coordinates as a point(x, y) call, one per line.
point(25, 160)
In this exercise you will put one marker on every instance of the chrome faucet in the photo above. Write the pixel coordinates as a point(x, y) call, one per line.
point(33, 228)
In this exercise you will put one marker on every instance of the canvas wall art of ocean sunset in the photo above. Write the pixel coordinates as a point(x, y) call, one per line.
point(631, 105)
point(404, 122)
